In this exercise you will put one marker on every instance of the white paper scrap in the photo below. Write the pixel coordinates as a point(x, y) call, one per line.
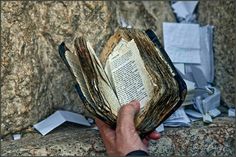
point(184, 8)
point(160, 128)
point(58, 118)
point(16, 136)
point(95, 128)
point(212, 101)
point(214, 112)
point(198, 104)
point(90, 120)
point(193, 113)
point(231, 112)
point(199, 77)
point(180, 67)
point(182, 42)
point(75, 118)
point(207, 118)
point(178, 118)
point(206, 54)
point(190, 85)
point(194, 119)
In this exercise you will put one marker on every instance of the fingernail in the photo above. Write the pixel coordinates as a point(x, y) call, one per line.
point(136, 104)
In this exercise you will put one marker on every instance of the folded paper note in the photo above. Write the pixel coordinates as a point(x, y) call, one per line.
point(184, 8)
point(231, 112)
point(206, 54)
point(58, 118)
point(178, 118)
point(182, 42)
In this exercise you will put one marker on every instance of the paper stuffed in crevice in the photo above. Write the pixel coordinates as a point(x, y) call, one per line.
point(59, 117)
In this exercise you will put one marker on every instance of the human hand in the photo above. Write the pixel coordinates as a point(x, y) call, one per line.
point(125, 138)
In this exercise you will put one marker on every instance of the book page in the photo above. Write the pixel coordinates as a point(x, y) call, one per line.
point(107, 67)
point(128, 74)
point(103, 85)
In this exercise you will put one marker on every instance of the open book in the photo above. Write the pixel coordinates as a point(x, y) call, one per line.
point(132, 66)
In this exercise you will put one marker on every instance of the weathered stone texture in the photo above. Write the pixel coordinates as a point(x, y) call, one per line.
point(221, 14)
point(216, 139)
point(35, 82)
point(146, 15)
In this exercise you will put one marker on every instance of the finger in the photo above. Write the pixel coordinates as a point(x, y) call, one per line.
point(100, 123)
point(106, 132)
point(154, 135)
point(126, 114)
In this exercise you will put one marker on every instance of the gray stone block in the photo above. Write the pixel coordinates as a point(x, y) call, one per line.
point(221, 14)
point(216, 139)
point(35, 82)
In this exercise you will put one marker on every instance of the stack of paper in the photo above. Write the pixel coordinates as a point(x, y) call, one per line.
point(178, 118)
point(189, 46)
point(182, 42)
point(183, 47)
point(206, 54)
point(193, 114)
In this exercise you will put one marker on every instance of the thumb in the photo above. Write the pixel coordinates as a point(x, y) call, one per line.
point(126, 115)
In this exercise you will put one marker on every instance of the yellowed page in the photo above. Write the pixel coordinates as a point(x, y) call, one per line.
point(128, 73)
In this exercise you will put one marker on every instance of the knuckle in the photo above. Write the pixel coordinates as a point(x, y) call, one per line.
point(120, 130)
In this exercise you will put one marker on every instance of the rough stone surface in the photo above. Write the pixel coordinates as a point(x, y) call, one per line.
point(221, 14)
point(35, 82)
point(216, 139)
point(146, 14)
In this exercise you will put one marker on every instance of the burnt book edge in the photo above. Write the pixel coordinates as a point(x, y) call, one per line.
point(178, 78)
point(154, 39)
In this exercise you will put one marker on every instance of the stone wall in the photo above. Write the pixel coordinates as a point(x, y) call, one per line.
point(35, 82)
point(216, 139)
point(221, 14)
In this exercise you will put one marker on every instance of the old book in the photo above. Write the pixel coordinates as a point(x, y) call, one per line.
point(132, 66)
